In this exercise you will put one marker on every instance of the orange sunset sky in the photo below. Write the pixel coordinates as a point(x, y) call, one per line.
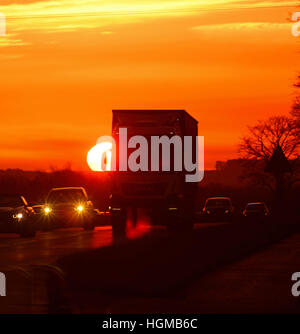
point(64, 65)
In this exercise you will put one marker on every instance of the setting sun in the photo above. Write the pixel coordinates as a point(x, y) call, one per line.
point(99, 157)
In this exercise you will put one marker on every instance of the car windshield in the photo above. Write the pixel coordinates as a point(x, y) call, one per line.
point(11, 201)
point(66, 196)
point(256, 207)
point(218, 202)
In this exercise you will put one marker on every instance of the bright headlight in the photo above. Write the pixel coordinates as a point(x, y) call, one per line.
point(80, 208)
point(47, 210)
point(18, 215)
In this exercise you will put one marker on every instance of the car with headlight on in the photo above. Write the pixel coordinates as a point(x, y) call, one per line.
point(257, 211)
point(16, 216)
point(68, 207)
point(218, 208)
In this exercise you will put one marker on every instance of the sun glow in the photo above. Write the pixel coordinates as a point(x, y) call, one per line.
point(99, 157)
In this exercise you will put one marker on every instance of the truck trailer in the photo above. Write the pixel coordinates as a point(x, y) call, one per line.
point(159, 184)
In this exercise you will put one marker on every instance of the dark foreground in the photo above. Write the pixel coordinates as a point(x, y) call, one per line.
point(224, 268)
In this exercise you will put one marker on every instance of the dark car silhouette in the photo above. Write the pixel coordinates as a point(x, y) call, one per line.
point(16, 216)
point(218, 208)
point(68, 207)
point(258, 210)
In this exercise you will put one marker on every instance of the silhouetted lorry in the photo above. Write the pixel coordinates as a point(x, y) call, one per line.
point(154, 180)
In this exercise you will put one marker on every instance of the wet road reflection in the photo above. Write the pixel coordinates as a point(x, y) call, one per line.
point(47, 247)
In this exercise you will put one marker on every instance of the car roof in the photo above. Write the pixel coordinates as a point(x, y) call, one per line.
point(68, 188)
point(256, 203)
point(219, 198)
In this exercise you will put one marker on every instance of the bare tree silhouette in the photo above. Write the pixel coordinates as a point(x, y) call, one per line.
point(296, 109)
point(265, 137)
point(276, 139)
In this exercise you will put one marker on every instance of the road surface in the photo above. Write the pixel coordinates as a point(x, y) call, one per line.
point(47, 247)
point(260, 283)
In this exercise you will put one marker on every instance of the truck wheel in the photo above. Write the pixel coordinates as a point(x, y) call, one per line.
point(134, 216)
point(174, 224)
point(159, 217)
point(118, 223)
